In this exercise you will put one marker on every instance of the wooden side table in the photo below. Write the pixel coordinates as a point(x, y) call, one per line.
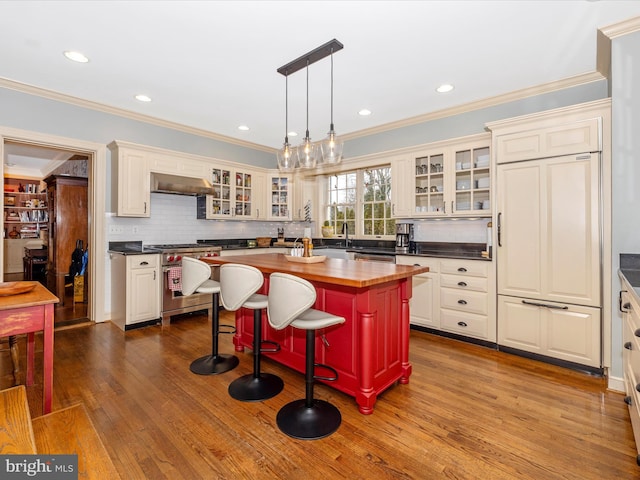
point(34, 258)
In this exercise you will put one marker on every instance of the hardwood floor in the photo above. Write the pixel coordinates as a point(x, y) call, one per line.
point(468, 413)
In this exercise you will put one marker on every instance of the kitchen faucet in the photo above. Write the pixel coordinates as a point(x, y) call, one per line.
point(345, 231)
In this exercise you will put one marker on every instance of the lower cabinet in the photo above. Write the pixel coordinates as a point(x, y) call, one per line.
point(136, 289)
point(424, 306)
point(566, 332)
point(456, 296)
point(631, 361)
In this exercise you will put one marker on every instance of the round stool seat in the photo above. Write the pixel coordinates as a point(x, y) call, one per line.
point(209, 286)
point(256, 301)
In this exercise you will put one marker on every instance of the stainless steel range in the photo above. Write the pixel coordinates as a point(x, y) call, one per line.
point(173, 302)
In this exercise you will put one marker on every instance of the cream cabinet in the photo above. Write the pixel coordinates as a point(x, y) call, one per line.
point(455, 296)
point(467, 298)
point(631, 360)
point(305, 197)
point(402, 178)
point(557, 330)
point(279, 197)
point(424, 306)
point(553, 141)
point(134, 181)
point(452, 179)
point(548, 243)
point(235, 195)
point(136, 289)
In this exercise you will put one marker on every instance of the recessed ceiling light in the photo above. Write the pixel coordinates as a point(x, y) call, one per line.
point(292, 134)
point(364, 112)
point(244, 128)
point(143, 98)
point(444, 88)
point(76, 56)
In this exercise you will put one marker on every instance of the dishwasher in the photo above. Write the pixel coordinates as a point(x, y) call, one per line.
point(375, 257)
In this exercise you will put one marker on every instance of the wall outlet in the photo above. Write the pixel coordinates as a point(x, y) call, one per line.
point(115, 229)
point(134, 229)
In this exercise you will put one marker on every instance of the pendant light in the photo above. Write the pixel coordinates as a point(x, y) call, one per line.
point(307, 151)
point(307, 154)
point(332, 146)
point(286, 157)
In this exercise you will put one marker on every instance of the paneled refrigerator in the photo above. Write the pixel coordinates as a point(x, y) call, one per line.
point(549, 258)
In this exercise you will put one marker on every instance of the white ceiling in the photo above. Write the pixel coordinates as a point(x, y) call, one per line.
point(212, 64)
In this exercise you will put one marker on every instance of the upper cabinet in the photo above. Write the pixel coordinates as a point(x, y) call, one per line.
point(280, 197)
point(234, 197)
point(444, 179)
point(134, 181)
point(305, 198)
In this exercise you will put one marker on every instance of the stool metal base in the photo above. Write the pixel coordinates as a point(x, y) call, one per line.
point(213, 365)
point(250, 388)
point(298, 420)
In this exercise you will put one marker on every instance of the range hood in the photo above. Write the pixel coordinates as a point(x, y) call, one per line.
point(164, 183)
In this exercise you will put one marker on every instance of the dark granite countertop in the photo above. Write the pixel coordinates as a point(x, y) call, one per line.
point(630, 272)
point(131, 248)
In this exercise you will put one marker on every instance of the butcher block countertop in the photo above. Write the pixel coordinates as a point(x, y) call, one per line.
point(348, 273)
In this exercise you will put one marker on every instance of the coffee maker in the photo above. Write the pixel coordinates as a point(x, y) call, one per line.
point(404, 237)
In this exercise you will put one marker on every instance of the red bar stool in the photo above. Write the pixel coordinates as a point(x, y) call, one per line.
point(239, 284)
point(290, 300)
point(195, 278)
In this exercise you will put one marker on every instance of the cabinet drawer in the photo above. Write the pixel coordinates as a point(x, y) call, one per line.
point(634, 406)
point(463, 283)
point(465, 301)
point(432, 263)
point(143, 261)
point(465, 267)
point(463, 323)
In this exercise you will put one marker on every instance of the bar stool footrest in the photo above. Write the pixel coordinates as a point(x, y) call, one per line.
point(326, 367)
point(274, 349)
point(228, 329)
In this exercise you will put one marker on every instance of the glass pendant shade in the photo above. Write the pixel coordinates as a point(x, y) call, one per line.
point(286, 158)
point(307, 153)
point(332, 148)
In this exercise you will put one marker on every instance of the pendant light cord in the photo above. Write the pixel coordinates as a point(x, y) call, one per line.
point(307, 136)
point(331, 129)
point(286, 108)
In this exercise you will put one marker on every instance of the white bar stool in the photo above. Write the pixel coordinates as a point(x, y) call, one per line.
point(290, 299)
point(239, 284)
point(195, 278)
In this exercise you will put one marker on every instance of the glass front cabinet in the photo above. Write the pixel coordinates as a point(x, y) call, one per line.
point(233, 196)
point(453, 180)
point(280, 196)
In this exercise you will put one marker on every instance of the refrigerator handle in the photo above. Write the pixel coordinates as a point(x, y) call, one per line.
point(499, 229)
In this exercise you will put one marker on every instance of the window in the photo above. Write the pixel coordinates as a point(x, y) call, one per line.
point(362, 200)
point(376, 201)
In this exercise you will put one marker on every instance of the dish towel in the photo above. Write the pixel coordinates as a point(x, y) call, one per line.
point(175, 279)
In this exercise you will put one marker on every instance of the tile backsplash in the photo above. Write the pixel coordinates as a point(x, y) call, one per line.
point(173, 220)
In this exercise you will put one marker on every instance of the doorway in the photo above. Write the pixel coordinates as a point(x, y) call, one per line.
point(93, 155)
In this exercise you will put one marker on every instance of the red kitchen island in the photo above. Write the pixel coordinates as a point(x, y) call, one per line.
point(370, 351)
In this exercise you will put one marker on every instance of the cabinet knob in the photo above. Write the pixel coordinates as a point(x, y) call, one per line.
point(628, 346)
point(462, 324)
point(638, 387)
point(462, 269)
point(627, 306)
point(462, 302)
point(462, 284)
point(628, 400)
point(637, 332)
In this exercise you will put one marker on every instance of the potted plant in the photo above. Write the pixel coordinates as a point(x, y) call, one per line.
point(327, 229)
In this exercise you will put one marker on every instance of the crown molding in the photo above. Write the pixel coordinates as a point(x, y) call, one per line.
point(121, 112)
point(480, 104)
point(621, 28)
